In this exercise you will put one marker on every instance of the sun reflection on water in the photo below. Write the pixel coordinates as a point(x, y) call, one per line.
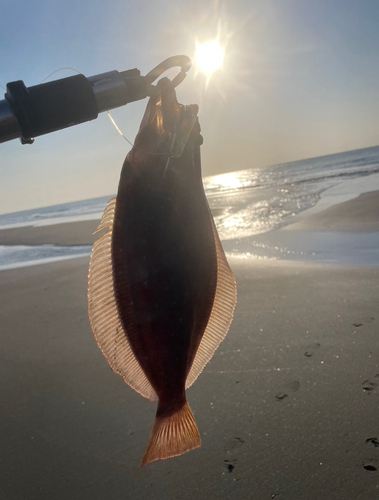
point(232, 180)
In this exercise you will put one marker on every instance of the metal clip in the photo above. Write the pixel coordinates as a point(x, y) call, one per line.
point(184, 62)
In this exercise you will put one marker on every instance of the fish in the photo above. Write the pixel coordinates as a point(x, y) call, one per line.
point(161, 294)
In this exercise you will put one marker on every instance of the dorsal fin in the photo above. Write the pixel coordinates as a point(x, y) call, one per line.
point(103, 314)
point(221, 314)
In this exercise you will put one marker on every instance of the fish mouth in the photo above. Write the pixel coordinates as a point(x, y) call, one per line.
point(171, 123)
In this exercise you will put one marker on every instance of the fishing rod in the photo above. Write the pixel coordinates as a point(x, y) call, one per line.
point(28, 112)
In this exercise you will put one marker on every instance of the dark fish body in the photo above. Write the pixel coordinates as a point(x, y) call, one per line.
point(161, 294)
point(163, 247)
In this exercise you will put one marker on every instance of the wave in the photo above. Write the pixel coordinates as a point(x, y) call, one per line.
point(250, 200)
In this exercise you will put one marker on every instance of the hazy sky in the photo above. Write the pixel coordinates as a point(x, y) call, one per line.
point(300, 79)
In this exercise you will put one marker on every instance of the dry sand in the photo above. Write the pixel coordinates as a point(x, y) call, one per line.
point(288, 408)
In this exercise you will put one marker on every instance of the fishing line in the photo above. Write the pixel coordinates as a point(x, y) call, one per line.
point(133, 145)
point(51, 74)
point(110, 116)
point(118, 130)
point(61, 69)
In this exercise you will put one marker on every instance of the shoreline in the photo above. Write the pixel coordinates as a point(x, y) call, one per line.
point(346, 233)
point(358, 215)
point(78, 233)
point(65, 234)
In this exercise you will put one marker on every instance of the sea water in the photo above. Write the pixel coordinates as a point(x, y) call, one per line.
point(248, 205)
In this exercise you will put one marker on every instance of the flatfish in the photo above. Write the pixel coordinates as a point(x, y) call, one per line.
point(161, 295)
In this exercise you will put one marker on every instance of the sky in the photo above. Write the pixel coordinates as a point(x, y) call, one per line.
point(300, 79)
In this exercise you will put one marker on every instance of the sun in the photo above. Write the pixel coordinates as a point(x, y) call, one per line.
point(209, 57)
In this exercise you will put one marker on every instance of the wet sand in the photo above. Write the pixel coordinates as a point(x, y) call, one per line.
point(288, 408)
point(70, 233)
point(360, 215)
point(73, 233)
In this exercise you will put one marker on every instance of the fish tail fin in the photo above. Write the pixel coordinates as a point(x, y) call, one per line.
point(172, 436)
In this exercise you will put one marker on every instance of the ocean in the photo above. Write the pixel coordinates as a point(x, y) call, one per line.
point(251, 207)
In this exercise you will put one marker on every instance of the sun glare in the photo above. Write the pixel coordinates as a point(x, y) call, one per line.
point(209, 57)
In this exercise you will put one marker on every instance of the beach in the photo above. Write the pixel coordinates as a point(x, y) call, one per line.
point(359, 215)
point(288, 408)
point(74, 233)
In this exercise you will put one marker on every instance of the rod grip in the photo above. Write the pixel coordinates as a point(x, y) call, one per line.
point(51, 106)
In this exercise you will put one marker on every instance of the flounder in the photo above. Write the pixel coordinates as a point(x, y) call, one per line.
point(161, 295)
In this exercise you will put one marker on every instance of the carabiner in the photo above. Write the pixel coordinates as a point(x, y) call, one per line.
point(184, 62)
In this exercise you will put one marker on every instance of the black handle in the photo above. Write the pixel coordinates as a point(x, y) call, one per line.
point(39, 111)
point(28, 112)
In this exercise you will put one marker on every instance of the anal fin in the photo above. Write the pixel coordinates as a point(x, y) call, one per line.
point(221, 315)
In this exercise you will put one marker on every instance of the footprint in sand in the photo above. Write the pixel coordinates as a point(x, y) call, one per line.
point(292, 386)
point(370, 384)
point(370, 465)
point(280, 396)
point(230, 465)
point(373, 442)
point(311, 349)
point(357, 324)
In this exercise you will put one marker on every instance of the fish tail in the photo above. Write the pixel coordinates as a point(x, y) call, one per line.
point(172, 436)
